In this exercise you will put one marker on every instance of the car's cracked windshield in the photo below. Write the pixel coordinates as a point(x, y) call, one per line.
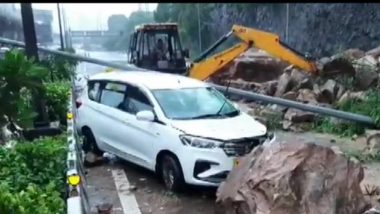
point(194, 103)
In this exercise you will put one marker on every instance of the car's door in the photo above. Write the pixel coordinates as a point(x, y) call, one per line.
point(112, 120)
point(145, 134)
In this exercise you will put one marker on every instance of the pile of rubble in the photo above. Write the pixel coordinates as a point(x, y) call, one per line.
point(344, 76)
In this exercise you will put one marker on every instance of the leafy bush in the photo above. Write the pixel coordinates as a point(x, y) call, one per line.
point(370, 107)
point(33, 177)
point(57, 99)
point(19, 78)
point(60, 68)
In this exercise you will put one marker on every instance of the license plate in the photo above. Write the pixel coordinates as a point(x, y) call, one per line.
point(236, 162)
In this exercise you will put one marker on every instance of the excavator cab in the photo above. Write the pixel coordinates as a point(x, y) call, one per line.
point(157, 47)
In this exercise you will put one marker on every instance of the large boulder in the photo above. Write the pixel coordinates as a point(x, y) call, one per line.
point(293, 177)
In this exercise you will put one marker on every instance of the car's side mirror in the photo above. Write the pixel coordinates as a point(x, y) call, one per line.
point(186, 53)
point(145, 116)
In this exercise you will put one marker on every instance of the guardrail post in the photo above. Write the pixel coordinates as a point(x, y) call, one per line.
point(77, 199)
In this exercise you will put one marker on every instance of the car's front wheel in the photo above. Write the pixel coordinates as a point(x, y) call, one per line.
point(171, 173)
point(89, 143)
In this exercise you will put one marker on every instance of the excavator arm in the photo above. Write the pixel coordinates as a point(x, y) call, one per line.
point(266, 41)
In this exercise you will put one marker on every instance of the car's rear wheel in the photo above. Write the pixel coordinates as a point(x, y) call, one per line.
point(89, 143)
point(171, 173)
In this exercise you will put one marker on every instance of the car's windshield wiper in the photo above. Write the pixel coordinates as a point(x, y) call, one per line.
point(204, 116)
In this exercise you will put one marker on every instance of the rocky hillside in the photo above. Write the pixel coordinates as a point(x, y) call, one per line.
point(320, 29)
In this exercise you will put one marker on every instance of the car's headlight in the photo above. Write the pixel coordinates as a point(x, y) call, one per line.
point(199, 142)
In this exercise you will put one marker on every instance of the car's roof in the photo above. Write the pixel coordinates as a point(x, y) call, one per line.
point(150, 79)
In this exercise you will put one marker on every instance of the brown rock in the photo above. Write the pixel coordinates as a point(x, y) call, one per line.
point(298, 76)
point(242, 84)
point(269, 88)
point(297, 116)
point(307, 96)
point(338, 67)
point(286, 125)
point(328, 91)
point(374, 52)
point(354, 53)
point(316, 89)
point(305, 84)
point(291, 95)
point(295, 127)
point(373, 141)
point(341, 90)
point(292, 177)
point(348, 95)
point(284, 84)
point(366, 79)
point(260, 68)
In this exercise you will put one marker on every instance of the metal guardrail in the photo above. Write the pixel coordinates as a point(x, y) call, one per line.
point(77, 199)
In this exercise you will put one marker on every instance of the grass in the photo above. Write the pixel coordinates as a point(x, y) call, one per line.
point(370, 108)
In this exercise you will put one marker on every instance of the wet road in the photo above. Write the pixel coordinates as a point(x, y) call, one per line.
point(153, 198)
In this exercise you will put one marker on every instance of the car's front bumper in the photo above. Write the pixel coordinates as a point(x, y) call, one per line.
point(208, 167)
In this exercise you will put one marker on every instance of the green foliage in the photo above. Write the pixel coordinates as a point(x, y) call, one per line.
point(186, 17)
point(60, 68)
point(19, 77)
point(117, 23)
point(370, 107)
point(57, 99)
point(33, 177)
point(346, 129)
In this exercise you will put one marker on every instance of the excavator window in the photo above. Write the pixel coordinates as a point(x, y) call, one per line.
point(169, 59)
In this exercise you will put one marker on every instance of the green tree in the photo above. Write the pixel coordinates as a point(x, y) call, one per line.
point(117, 23)
point(136, 18)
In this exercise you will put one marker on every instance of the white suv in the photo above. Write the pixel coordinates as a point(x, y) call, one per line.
point(179, 127)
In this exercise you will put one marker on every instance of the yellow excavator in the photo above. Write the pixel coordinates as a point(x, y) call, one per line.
point(142, 50)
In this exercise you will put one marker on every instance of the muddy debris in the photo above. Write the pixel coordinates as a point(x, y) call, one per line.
point(263, 184)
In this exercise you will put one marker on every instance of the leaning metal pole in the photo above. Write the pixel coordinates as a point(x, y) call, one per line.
point(75, 56)
point(60, 26)
point(241, 93)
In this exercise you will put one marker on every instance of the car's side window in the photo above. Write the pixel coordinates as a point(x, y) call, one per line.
point(113, 95)
point(137, 101)
point(93, 90)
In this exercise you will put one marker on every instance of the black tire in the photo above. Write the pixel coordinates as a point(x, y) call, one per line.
point(89, 143)
point(171, 173)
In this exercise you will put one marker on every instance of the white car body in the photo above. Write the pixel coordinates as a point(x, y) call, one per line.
point(141, 141)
